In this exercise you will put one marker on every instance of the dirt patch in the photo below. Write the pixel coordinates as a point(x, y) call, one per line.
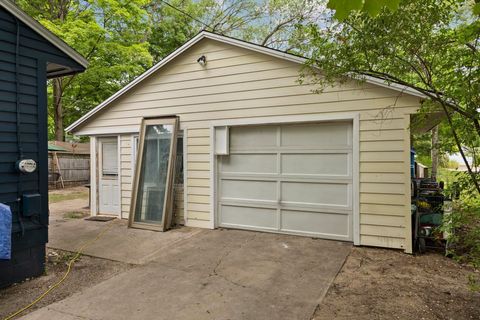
point(388, 284)
point(86, 272)
point(71, 203)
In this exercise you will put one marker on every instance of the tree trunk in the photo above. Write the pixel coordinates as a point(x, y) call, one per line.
point(434, 153)
point(58, 109)
point(59, 11)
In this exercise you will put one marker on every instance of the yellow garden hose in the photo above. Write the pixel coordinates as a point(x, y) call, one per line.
point(69, 268)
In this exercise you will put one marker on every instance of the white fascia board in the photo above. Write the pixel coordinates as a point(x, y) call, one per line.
point(255, 47)
point(44, 32)
point(234, 42)
point(391, 85)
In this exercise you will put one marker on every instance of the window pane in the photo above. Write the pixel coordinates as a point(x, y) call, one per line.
point(153, 174)
point(179, 157)
point(109, 158)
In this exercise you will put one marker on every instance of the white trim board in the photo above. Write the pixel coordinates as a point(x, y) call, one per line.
point(213, 180)
point(185, 180)
point(356, 178)
point(227, 40)
point(119, 166)
point(44, 32)
point(109, 131)
point(93, 176)
point(353, 116)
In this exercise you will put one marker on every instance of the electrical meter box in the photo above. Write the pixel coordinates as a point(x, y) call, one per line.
point(31, 204)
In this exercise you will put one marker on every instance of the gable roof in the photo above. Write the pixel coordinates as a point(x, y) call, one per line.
point(228, 40)
point(44, 32)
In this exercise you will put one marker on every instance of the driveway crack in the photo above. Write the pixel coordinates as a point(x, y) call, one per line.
point(215, 271)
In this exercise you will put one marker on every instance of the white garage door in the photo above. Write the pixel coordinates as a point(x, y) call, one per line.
point(288, 179)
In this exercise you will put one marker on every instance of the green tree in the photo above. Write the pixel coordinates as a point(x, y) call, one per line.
point(432, 46)
point(343, 8)
point(272, 23)
point(110, 34)
point(173, 24)
point(122, 38)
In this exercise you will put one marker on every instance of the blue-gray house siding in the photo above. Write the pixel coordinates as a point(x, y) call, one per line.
point(23, 129)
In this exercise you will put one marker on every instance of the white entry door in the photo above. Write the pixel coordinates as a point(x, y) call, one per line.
point(109, 189)
point(293, 178)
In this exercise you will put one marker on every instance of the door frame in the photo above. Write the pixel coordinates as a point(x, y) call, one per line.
point(168, 199)
point(96, 167)
point(354, 117)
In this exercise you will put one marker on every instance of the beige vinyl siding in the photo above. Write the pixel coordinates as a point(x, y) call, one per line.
point(198, 174)
point(238, 83)
point(126, 170)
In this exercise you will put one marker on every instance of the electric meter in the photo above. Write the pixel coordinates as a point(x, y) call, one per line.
point(26, 165)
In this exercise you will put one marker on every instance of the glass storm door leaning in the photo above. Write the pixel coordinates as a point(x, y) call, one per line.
point(152, 196)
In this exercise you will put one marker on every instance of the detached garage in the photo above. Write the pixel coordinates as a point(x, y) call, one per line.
point(227, 127)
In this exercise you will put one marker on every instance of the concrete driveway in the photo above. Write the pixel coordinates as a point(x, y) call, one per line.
point(118, 243)
point(215, 274)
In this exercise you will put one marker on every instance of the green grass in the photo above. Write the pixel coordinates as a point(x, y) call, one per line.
point(75, 215)
point(447, 176)
point(57, 197)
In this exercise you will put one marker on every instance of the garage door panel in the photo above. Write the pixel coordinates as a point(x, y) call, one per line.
point(249, 163)
point(316, 135)
point(328, 194)
point(248, 217)
point(294, 179)
point(321, 223)
point(248, 190)
point(253, 137)
point(314, 208)
point(287, 177)
point(316, 164)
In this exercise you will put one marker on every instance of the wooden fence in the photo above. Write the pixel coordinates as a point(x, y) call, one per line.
point(74, 168)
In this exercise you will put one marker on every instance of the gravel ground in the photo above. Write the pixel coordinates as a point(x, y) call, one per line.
point(388, 284)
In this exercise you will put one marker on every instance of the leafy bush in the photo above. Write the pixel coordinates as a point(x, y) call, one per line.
point(463, 224)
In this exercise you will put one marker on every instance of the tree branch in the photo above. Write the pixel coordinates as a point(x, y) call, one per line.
point(277, 28)
point(460, 149)
point(434, 95)
point(87, 57)
point(472, 47)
